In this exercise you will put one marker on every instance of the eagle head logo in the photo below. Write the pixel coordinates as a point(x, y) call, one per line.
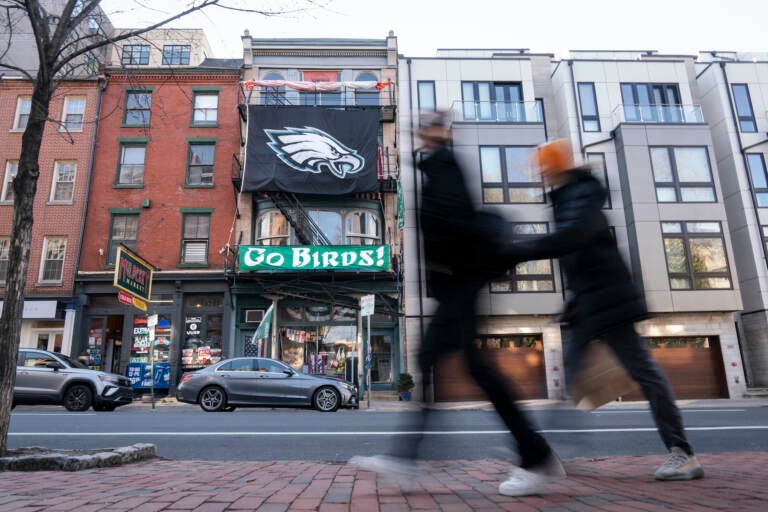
point(311, 150)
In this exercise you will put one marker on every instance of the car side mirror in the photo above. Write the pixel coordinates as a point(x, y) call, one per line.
point(54, 366)
point(288, 372)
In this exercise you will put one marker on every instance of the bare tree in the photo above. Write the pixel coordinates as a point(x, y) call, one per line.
point(66, 37)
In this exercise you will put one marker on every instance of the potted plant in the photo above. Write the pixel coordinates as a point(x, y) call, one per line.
point(404, 386)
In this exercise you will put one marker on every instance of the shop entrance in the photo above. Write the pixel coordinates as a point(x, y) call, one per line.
point(105, 341)
point(382, 358)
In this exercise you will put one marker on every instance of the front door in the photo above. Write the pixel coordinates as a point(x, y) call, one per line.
point(382, 359)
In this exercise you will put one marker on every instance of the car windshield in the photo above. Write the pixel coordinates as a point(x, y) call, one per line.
point(71, 362)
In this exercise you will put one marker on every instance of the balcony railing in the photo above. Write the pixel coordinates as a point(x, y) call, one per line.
point(344, 97)
point(658, 114)
point(497, 112)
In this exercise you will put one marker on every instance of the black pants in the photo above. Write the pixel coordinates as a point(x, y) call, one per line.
point(452, 329)
point(635, 357)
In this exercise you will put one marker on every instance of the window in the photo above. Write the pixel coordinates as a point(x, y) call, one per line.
point(682, 175)
point(696, 258)
point(369, 96)
point(744, 108)
point(5, 245)
point(272, 229)
point(131, 169)
point(11, 168)
point(531, 276)
point(124, 231)
point(590, 119)
point(176, 54)
point(23, 108)
point(492, 101)
point(507, 177)
point(320, 98)
point(63, 187)
point(426, 92)
point(273, 95)
point(363, 229)
point(137, 107)
point(759, 177)
point(195, 238)
point(329, 223)
point(52, 262)
point(206, 108)
point(200, 168)
point(74, 108)
point(651, 103)
point(600, 171)
point(764, 229)
point(135, 54)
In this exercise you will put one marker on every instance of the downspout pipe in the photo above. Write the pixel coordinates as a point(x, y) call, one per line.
point(576, 104)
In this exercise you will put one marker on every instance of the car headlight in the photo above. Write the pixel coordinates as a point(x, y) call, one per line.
point(109, 378)
point(348, 387)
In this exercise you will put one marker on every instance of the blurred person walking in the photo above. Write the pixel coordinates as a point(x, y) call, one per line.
point(462, 251)
point(604, 301)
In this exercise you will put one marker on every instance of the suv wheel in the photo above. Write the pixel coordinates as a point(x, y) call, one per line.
point(213, 399)
point(78, 398)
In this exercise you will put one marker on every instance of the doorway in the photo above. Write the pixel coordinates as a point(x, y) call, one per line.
point(105, 342)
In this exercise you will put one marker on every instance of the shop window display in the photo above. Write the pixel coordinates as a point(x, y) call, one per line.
point(202, 341)
point(139, 369)
point(318, 349)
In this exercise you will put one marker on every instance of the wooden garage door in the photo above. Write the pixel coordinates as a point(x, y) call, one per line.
point(519, 358)
point(693, 365)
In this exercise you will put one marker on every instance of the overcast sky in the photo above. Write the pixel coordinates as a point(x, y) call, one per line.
point(544, 26)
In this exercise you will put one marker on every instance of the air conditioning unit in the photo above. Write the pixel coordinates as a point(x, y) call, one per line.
point(254, 316)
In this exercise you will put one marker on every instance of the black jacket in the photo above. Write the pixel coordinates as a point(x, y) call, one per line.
point(603, 293)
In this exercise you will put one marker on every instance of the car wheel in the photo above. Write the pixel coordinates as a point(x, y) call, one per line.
point(78, 398)
point(104, 407)
point(326, 399)
point(213, 399)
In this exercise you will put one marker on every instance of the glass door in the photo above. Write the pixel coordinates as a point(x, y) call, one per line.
point(382, 358)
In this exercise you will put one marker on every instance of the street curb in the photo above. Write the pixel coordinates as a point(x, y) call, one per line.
point(74, 460)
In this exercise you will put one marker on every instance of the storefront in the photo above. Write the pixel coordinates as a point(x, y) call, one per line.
point(47, 324)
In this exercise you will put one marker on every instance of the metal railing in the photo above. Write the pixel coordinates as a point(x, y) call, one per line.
point(497, 112)
point(658, 114)
point(344, 97)
point(307, 230)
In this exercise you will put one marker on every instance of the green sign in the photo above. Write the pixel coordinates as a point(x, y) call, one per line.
point(400, 206)
point(314, 257)
point(133, 275)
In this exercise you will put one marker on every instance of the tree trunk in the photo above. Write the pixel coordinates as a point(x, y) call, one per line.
point(24, 189)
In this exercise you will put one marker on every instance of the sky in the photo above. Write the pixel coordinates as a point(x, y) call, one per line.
point(544, 26)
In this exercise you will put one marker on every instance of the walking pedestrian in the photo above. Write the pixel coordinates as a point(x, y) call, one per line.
point(462, 252)
point(604, 302)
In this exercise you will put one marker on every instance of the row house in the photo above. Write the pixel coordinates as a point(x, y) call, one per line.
point(161, 186)
point(637, 119)
point(317, 225)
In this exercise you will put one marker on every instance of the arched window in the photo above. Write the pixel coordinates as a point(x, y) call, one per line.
point(368, 96)
point(363, 228)
point(272, 229)
point(273, 95)
point(329, 223)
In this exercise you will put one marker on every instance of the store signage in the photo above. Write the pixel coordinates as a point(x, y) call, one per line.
point(138, 303)
point(124, 298)
point(367, 305)
point(37, 309)
point(315, 257)
point(133, 275)
point(140, 375)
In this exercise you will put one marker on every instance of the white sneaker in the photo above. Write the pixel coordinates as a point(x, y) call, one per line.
point(386, 465)
point(524, 482)
point(679, 466)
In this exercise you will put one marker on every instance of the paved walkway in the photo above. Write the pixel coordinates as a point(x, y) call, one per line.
point(734, 482)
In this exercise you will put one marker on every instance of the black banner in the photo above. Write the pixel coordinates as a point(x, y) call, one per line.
point(311, 150)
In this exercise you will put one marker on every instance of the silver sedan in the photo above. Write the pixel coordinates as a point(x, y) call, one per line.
point(262, 382)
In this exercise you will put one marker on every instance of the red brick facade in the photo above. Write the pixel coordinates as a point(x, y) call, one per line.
point(51, 218)
point(164, 195)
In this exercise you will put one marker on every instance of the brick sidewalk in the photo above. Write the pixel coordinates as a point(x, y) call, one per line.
point(735, 481)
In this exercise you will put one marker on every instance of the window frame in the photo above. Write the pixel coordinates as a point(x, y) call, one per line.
point(148, 109)
point(197, 93)
point(685, 235)
point(744, 117)
point(676, 184)
point(431, 85)
point(607, 205)
point(64, 127)
point(348, 234)
point(170, 53)
point(7, 185)
point(131, 143)
point(5, 254)
point(131, 50)
point(591, 117)
point(44, 261)
point(504, 183)
point(20, 101)
point(200, 142)
point(516, 115)
point(273, 95)
point(649, 89)
point(758, 192)
point(514, 278)
point(371, 96)
point(186, 214)
point(56, 181)
point(131, 244)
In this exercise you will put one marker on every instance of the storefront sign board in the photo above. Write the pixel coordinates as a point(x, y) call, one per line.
point(133, 275)
point(367, 305)
point(140, 304)
point(314, 257)
point(141, 375)
point(125, 298)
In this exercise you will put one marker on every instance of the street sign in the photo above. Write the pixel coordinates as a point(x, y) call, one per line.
point(133, 275)
point(137, 302)
point(124, 298)
point(367, 303)
point(151, 320)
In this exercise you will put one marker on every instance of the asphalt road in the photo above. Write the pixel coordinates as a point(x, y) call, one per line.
point(185, 432)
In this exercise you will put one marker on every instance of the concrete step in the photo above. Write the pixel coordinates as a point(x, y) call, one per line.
point(383, 396)
point(753, 393)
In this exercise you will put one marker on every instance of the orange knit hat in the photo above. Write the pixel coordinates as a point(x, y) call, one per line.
point(554, 156)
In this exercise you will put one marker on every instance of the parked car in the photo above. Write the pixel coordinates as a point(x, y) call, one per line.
point(262, 382)
point(44, 377)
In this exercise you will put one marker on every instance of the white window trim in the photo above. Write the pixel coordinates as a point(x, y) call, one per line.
point(55, 181)
point(16, 116)
point(8, 238)
point(63, 125)
point(7, 182)
point(43, 260)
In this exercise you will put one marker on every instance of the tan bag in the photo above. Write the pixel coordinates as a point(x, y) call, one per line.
point(601, 378)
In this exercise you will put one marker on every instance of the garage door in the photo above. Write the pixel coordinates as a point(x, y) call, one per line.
point(519, 358)
point(693, 365)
